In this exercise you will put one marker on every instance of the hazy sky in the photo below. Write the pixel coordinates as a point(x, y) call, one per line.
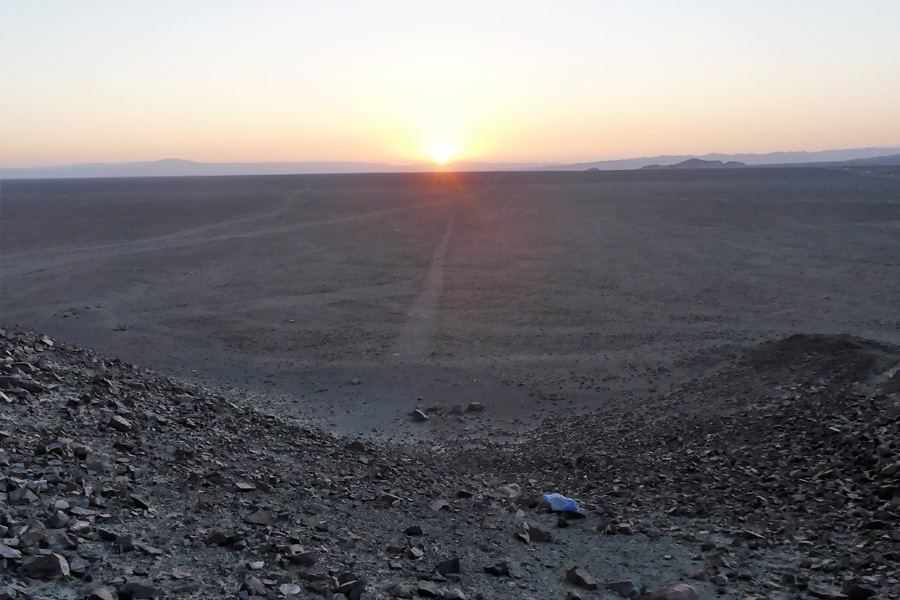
point(399, 81)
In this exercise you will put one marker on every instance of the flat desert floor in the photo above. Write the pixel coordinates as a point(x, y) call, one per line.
point(352, 299)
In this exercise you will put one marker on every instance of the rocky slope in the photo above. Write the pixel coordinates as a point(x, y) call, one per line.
point(776, 477)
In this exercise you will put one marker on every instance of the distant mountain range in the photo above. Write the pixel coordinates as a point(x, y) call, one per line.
point(892, 160)
point(859, 155)
point(696, 163)
point(174, 167)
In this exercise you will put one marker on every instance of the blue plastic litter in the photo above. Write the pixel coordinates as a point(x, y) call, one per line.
point(559, 503)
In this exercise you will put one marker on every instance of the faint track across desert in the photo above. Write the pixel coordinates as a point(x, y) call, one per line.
point(195, 236)
point(416, 336)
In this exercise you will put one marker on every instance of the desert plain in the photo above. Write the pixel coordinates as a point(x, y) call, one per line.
point(208, 386)
point(532, 293)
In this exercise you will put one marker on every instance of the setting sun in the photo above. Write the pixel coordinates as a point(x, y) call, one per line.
point(441, 152)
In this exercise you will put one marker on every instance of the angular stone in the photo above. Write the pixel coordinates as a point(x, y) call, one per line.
point(625, 588)
point(137, 590)
point(102, 593)
point(440, 504)
point(49, 566)
point(9, 553)
point(261, 517)
point(854, 591)
point(825, 592)
point(678, 591)
point(427, 589)
point(124, 543)
point(581, 578)
point(79, 566)
point(356, 446)
point(529, 532)
point(448, 566)
point(119, 423)
point(401, 590)
point(298, 556)
point(140, 502)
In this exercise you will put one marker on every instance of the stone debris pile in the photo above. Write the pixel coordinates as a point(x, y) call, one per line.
point(120, 483)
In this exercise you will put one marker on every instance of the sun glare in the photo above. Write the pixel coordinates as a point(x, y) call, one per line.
point(441, 152)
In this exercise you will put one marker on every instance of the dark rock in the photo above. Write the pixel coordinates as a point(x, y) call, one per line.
point(401, 590)
point(298, 556)
point(625, 589)
point(79, 566)
point(855, 591)
point(679, 591)
point(448, 566)
point(119, 423)
point(356, 446)
point(49, 566)
point(529, 532)
point(825, 592)
point(581, 578)
point(261, 517)
point(124, 543)
point(137, 590)
point(140, 502)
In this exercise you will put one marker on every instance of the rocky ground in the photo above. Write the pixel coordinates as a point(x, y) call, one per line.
point(777, 476)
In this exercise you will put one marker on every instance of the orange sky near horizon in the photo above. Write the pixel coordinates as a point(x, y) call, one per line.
point(400, 82)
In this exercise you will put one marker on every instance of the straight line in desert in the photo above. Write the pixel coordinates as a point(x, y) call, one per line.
point(56, 257)
point(416, 338)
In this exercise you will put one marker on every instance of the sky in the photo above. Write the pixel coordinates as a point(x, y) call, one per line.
point(415, 81)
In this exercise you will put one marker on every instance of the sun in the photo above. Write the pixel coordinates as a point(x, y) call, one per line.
point(441, 152)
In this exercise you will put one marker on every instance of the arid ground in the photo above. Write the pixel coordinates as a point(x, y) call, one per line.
point(352, 299)
point(707, 362)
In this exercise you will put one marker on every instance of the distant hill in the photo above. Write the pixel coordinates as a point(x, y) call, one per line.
point(697, 163)
point(770, 159)
point(175, 167)
point(892, 160)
